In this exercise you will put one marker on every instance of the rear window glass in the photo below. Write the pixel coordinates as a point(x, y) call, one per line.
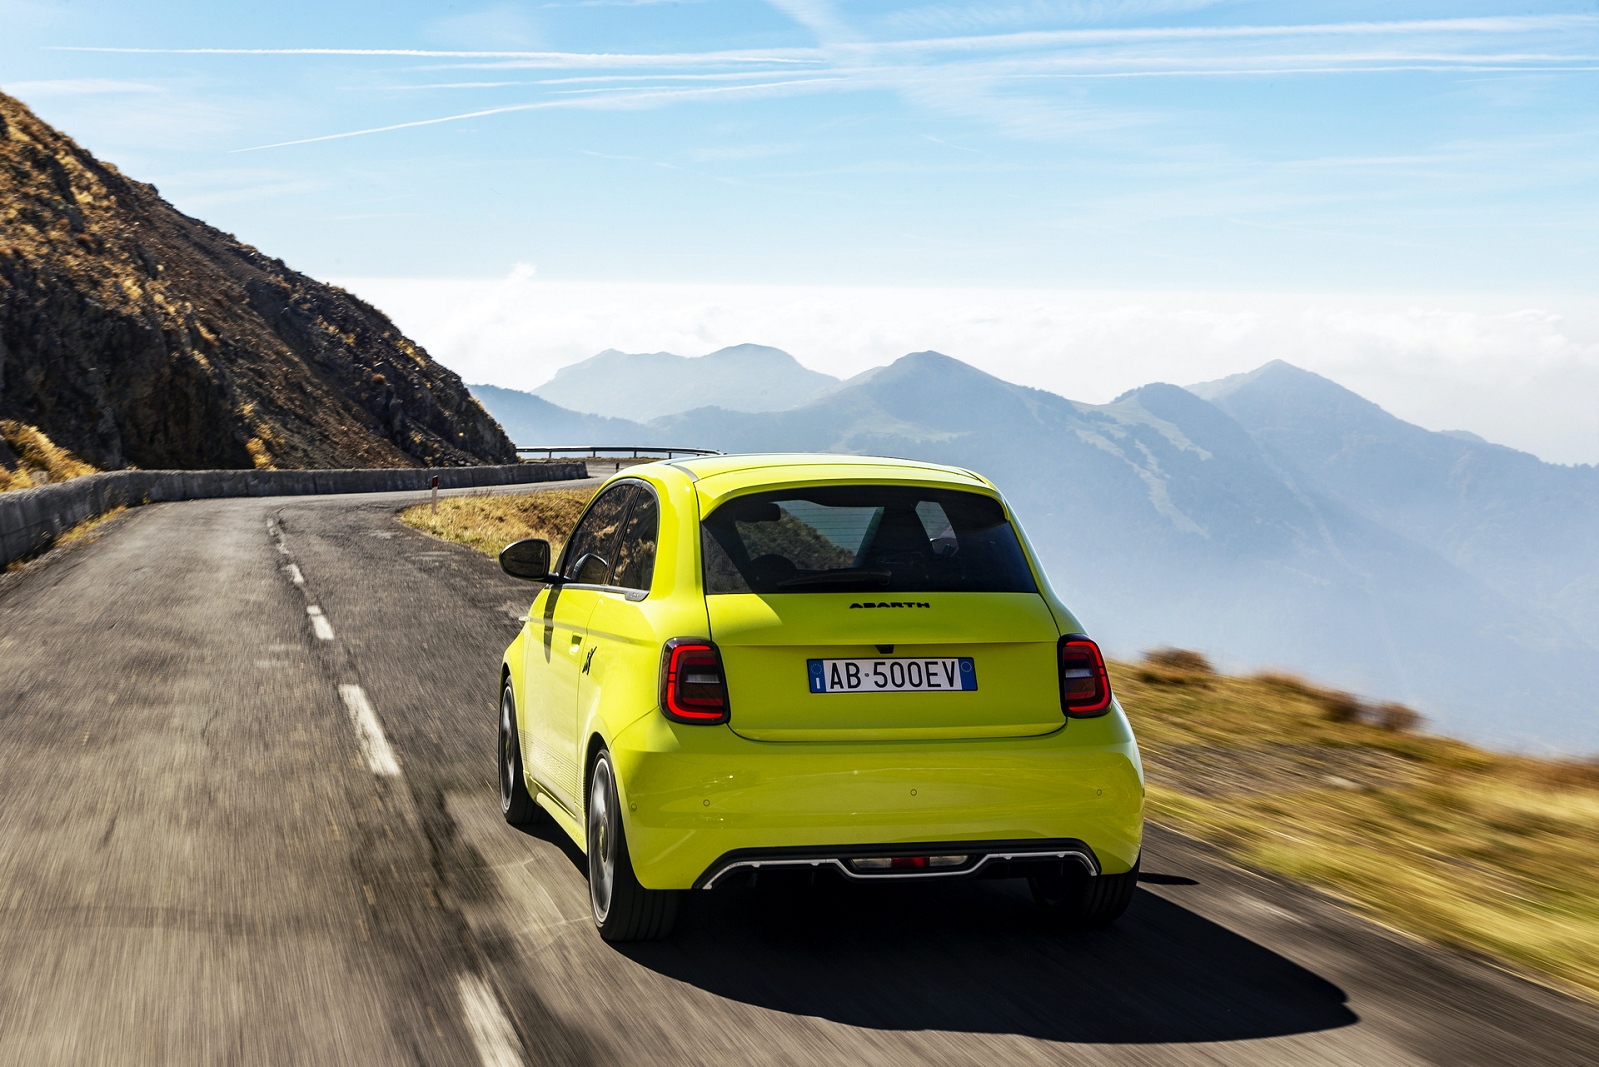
point(863, 539)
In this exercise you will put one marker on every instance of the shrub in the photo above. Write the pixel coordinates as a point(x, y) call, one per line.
point(1397, 718)
point(1340, 707)
point(1179, 659)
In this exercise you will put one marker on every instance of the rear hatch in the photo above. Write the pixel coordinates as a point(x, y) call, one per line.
point(878, 612)
point(768, 643)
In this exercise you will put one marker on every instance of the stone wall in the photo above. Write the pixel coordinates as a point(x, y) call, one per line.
point(31, 518)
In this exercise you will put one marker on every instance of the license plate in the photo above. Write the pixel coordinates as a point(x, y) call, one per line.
point(930, 674)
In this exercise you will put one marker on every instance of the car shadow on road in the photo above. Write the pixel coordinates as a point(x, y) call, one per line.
point(974, 957)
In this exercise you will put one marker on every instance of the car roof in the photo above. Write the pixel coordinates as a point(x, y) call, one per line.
point(717, 477)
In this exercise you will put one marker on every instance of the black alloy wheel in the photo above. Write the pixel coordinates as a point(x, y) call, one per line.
point(1084, 902)
point(623, 909)
point(516, 803)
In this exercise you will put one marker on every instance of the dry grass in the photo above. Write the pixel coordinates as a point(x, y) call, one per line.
point(39, 459)
point(86, 531)
point(489, 523)
point(1491, 853)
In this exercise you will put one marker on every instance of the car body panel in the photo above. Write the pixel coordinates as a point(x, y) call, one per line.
point(766, 641)
point(556, 659)
point(691, 793)
point(696, 793)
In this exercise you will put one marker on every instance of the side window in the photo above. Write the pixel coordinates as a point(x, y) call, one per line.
point(635, 552)
point(596, 535)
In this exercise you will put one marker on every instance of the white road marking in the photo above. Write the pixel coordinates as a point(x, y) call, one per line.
point(319, 622)
point(491, 1031)
point(295, 576)
point(374, 746)
point(275, 532)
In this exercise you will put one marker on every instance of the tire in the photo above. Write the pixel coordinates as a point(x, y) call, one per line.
point(1080, 902)
point(516, 803)
point(623, 909)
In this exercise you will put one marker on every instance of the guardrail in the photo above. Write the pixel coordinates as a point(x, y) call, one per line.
point(30, 519)
point(594, 450)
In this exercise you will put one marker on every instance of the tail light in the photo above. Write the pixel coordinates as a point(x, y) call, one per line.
point(693, 684)
point(1084, 683)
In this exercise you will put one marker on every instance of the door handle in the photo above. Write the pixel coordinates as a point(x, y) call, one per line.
point(589, 658)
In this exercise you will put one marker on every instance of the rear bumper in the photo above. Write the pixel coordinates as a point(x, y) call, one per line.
point(699, 802)
point(978, 859)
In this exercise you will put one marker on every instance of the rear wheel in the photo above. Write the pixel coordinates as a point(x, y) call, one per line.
point(623, 909)
point(516, 803)
point(1082, 902)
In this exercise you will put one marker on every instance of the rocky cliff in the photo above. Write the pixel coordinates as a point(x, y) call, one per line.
point(134, 335)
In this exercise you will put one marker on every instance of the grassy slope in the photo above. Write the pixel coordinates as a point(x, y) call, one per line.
point(1491, 853)
point(39, 459)
point(489, 523)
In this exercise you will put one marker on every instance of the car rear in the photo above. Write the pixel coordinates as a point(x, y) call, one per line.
point(886, 688)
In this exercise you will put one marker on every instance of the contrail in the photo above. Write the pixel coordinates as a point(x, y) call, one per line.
point(540, 105)
point(601, 59)
point(1035, 38)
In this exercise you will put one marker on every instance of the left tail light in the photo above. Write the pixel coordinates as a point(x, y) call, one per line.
point(693, 684)
point(1084, 682)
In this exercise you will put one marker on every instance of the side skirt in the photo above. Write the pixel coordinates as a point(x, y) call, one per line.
point(564, 819)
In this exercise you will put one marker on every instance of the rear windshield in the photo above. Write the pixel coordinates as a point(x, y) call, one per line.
point(863, 539)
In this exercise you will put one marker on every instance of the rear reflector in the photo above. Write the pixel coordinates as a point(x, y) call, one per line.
point(1084, 683)
point(905, 863)
point(693, 684)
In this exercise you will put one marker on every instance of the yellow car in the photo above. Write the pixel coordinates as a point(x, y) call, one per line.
point(750, 668)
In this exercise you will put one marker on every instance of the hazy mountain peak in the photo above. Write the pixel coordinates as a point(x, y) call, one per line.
point(925, 387)
point(1275, 376)
point(751, 353)
point(644, 386)
point(1187, 420)
point(936, 364)
point(1279, 395)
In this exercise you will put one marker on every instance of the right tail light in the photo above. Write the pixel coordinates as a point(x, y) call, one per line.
point(1084, 682)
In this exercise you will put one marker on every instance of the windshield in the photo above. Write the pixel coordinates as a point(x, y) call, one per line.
point(863, 539)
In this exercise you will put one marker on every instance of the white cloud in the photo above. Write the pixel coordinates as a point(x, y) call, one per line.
point(1525, 374)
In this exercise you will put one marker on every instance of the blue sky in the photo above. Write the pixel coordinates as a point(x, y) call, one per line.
point(1081, 196)
point(1149, 143)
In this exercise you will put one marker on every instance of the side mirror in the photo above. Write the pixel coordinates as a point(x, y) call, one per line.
point(528, 559)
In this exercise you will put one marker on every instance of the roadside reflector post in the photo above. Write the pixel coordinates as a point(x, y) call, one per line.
point(435, 494)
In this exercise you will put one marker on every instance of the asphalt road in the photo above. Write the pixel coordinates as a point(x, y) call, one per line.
point(233, 832)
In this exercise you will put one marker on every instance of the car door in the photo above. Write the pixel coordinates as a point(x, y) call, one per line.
point(622, 664)
point(554, 664)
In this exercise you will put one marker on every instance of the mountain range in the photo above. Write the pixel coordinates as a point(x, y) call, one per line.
point(134, 335)
point(1273, 519)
